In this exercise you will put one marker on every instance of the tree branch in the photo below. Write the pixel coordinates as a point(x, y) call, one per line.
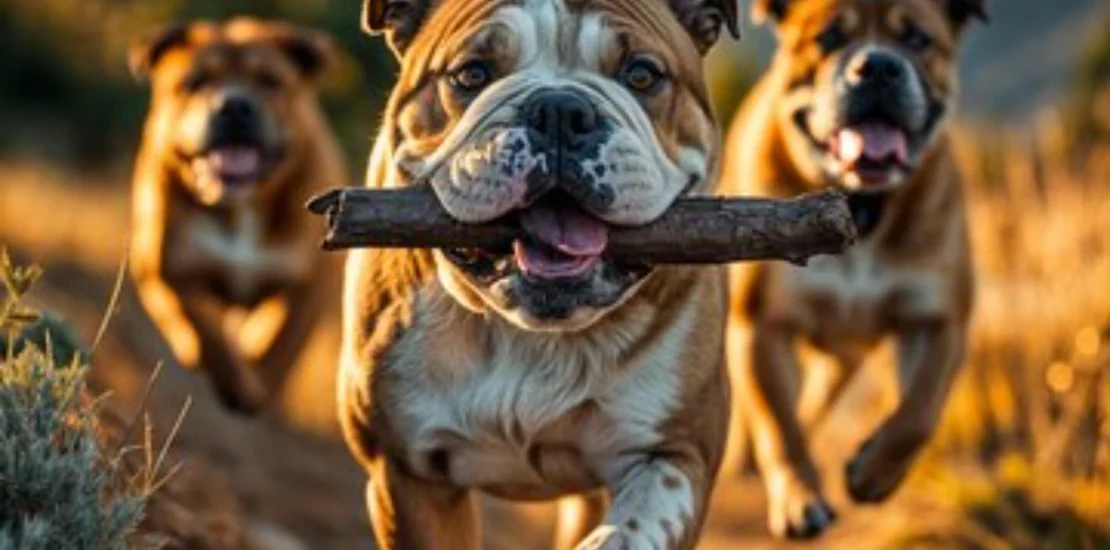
point(696, 230)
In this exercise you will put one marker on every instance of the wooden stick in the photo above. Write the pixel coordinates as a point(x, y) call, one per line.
point(695, 230)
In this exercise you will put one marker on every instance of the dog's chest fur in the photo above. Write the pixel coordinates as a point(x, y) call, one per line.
point(534, 416)
point(236, 252)
point(847, 303)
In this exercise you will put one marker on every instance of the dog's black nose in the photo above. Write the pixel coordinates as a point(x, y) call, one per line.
point(877, 68)
point(236, 110)
point(561, 115)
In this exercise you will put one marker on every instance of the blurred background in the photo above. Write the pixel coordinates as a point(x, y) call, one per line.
point(1023, 462)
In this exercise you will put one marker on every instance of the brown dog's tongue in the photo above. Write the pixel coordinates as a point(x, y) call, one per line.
point(875, 141)
point(566, 229)
point(235, 162)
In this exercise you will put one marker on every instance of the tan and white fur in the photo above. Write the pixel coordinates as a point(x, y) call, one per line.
point(224, 256)
point(462, 371)
point(858, 97)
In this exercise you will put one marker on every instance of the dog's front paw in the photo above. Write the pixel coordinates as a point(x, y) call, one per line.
point(883, 462)
point(796, 511)
point(608, 537)
point(605, 537)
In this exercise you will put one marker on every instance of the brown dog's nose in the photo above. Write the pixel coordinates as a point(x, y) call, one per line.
point(876, 68)
point(562, 116)
point(236, 110)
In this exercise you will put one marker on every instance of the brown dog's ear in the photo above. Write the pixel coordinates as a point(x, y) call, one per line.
point(145, 52)
point(703, 19)
point(311, 51)
point(774, 10)
point(399, 20)
point(963, 11)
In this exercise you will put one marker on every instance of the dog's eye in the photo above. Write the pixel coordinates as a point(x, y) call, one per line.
point(268, 81)
point(473, 76)
point(642, 76)
point(832, 38)
point(915, 39)
point(194, 82)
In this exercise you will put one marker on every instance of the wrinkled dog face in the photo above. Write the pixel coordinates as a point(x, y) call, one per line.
point(871, 83)
point(567, 116)
point(226, 101)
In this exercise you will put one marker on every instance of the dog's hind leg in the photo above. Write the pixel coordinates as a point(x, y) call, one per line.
point(578, 516)
point(796, 507)
point(410, 514)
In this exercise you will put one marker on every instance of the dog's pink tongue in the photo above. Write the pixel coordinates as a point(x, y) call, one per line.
point(567, 230)
point(235, 162)
point(877, 142)
point(575, 241)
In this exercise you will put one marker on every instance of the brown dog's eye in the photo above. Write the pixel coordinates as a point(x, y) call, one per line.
point(642, 76)
point(268, 81)
point(194, 82)
point(472, 77)
point(915, 39)
point(832, 38)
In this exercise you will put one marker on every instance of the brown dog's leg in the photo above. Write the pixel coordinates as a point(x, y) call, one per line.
point(410, 514)
point(796, 508)
point(238, 388)
point(303, 305)
point(578, 516)
point(657, 503)
point(165, 310)
point(929, 358)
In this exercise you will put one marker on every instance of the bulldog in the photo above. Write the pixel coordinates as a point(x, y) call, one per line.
point(223, 255)
point(545, 369)
point(858, 97)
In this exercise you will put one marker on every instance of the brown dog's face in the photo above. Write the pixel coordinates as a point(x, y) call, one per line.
point(228, 103)
point(870, 84)
point(567, 116)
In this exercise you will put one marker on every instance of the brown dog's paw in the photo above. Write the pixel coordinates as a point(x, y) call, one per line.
point(882, 463)
point(797, 512)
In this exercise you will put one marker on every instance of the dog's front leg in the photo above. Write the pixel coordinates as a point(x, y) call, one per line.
point(659, 502)
point(930, 354)
point(411, 514)
point(769, 384)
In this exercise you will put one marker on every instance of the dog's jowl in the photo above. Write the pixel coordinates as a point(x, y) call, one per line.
point(545, 369)
point(223, 254)
point(858, 97)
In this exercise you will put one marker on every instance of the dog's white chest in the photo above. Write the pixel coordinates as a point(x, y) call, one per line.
point(856, 296)
point(535, 421)
point(238, 250)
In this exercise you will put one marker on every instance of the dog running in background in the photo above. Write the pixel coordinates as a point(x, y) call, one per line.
point(858, 97)
point(223, 254)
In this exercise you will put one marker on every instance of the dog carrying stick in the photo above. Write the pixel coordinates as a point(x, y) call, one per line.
point(696, 230)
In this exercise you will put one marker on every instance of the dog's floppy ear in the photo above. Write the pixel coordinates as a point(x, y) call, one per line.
point(311, 51)
point(770, 10)
point(703, 19)
point(399, 20)
point(963, 11)
point(145, 52)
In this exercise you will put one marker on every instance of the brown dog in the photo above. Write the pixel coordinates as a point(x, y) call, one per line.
point(547, 369)
point(857, 97)
point(224, 256)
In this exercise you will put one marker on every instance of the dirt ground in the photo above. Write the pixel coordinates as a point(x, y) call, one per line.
point(292, 475)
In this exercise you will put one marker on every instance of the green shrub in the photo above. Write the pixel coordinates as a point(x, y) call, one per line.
point(57, 489)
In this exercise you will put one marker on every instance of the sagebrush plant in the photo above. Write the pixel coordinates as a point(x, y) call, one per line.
point(58, 489)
